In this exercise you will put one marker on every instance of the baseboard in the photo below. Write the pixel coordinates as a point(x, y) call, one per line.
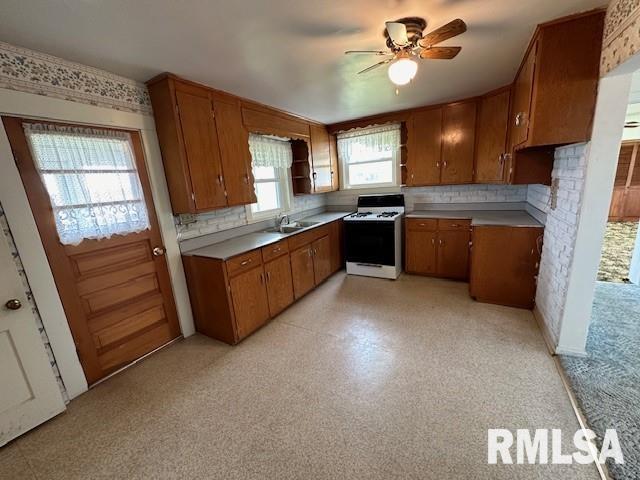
point(546, 334)
point(560, 350)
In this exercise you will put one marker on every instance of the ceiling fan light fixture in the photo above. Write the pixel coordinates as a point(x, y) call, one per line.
point(402, 71)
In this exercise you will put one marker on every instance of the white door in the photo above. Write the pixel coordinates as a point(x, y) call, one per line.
point(29, 393)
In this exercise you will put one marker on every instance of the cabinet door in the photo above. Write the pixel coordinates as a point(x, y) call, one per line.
point(302, 270)
point(493, 118)
point(522, 93)
point(420, 252)
point(234, 151)
point(279, 284)
point(336, 237)
point(333, 155)
point(424, 137)
point(250, 303)
point(321, 259)
point(453, 254)
point(504, 265)
point(458, 143)
point(321, 159)
point(201, 146)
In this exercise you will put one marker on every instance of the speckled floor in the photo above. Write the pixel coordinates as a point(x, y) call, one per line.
point(619, 240)
point(363, 378)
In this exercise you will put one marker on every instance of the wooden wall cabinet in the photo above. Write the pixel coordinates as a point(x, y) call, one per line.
point(232, 298)
point(424, 147)
point(491, 137)
point(504, 265)
point(204, 145)
point(437, 247)
point(324, 160)
point(458, 142)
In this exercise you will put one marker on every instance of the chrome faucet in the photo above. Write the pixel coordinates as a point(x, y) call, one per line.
point(283, 220)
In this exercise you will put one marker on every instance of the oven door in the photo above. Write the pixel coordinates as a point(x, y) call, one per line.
point(370, 242)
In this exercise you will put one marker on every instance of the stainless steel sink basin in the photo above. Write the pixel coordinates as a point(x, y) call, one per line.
point(292, 227)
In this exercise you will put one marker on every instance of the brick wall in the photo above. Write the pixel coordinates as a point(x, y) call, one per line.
point(233, 217)
point(560, 232)
point(444, 194)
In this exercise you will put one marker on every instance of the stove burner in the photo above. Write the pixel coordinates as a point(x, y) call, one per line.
point(361, 214)
point(387, 214)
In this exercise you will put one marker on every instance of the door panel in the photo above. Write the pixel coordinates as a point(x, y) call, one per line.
point(458, 140)
point(424, 150)
point(234, 152)
point(321, 259)
point(302, 270)
point(453, 254)
point(115, 291)
point(321, 158)
point(421, 252)
point(30, 394)
point(250, 302)
point(279, 284)
point(522, 94)
point(493, 118)
point(203, 153)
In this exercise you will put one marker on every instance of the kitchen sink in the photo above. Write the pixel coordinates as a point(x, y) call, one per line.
point(292, 227)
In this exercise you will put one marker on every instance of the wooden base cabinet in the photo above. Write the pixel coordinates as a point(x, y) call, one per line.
point(233, 298)
point(504, 265)
point(437, 247)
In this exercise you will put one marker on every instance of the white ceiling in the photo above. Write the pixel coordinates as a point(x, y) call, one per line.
point(285, 53)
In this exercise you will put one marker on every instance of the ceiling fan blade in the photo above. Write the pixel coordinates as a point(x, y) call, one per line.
point(440, 53)
point(445, 32)
point(368, 52)
point(375, 65)
point(397, 33)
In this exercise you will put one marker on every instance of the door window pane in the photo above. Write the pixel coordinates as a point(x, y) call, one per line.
point(92, 181)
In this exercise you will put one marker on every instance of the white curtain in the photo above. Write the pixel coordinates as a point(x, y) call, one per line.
point(92, 181)
point(369, 144)
point(269, 151)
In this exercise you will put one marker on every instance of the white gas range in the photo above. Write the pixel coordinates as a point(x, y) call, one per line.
point(373, 236)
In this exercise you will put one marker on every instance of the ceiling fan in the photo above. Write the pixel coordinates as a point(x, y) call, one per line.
point(405, 40)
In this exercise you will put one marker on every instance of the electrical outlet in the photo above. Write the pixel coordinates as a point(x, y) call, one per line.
point(555, 184)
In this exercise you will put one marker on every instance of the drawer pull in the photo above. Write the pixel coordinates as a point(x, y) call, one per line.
point(246, 262)
point(456, 225)
point(276, 249)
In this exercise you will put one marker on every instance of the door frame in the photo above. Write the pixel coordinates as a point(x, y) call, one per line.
point(23, 226)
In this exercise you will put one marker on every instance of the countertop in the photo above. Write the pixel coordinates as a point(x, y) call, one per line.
point(244, 243)
point(508, 218)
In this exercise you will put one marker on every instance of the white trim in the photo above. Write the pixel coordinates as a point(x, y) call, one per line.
point(20, 218)
point(286, 198)
point(560, 350)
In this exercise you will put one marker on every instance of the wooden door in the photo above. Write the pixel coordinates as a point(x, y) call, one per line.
point(453, 254)
point(504, 264)
point(30, 393)
point(234, 152)
point(522, 95)
point(115, 291)
point(321, 159)
point(458, 141)
point(321, 259)
point(302, 270)
point(336, 237)
point(424, 137)
point(491, 138)
point(202, 150)
point(421, 252)
point(279, 284)
point(250, 301)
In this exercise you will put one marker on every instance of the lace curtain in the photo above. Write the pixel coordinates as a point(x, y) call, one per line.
point(270, 152)
point(369, 144)
point(92, 181)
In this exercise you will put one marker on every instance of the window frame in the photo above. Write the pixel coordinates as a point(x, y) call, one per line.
point(285, 198)
point(396, 173)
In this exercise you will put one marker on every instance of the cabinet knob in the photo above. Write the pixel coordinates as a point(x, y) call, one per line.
point(13, 304)
point(520, 117)
point(158, 251)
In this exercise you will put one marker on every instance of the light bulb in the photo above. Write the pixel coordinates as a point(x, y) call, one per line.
point(402, 71)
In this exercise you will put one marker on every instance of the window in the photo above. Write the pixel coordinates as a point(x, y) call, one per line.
point(92, 181)
point(271, 159)
point(369, 156)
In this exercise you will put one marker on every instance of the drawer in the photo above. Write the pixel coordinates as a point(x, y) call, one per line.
point(300, 239)
point(274, 250)
point(453, 224)
point(422, 224)
point(244, 262)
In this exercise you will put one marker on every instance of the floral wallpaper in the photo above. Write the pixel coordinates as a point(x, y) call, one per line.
point(34, 72)
point(4, 226)
point(621, 34)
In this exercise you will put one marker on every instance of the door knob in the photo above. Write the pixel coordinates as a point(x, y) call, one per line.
point(158, 251)
point(13, 304)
